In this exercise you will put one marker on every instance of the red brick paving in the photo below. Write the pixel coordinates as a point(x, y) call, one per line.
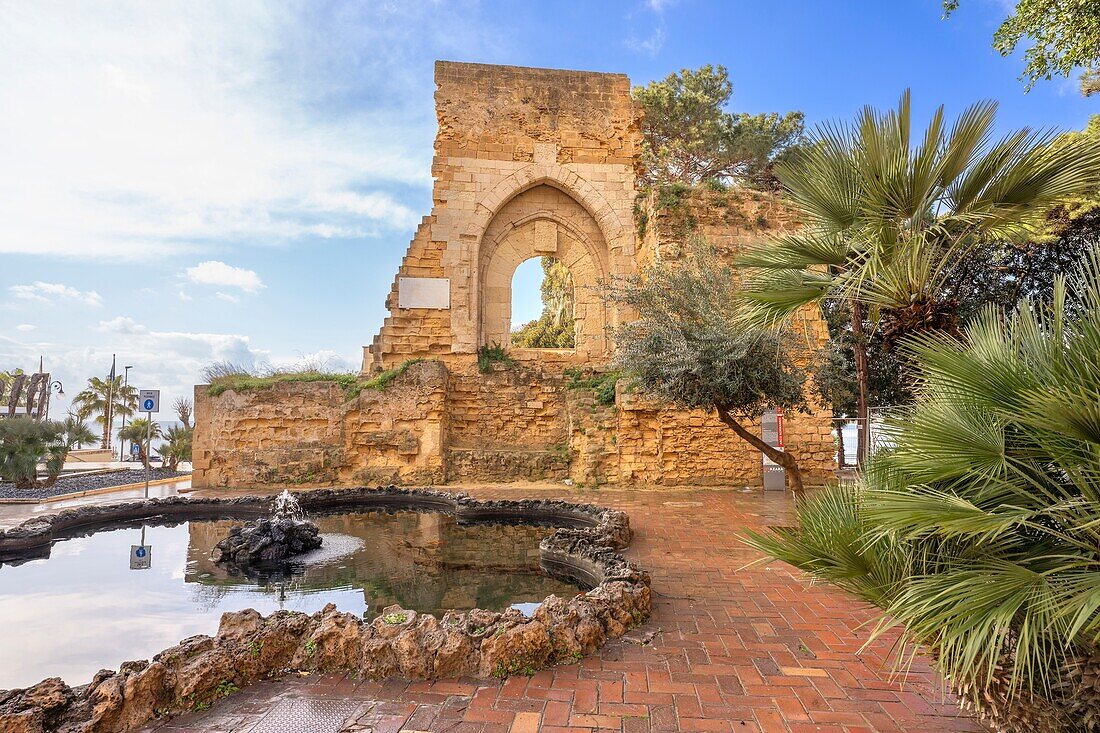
point(740, 649)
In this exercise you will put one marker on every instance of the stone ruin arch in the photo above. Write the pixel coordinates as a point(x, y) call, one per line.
point(515, 178)
point(542, 220)
point(527, 162)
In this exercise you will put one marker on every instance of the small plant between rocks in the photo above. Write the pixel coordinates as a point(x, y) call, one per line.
point(489, 355)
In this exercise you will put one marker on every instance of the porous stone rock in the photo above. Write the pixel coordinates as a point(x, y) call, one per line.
point(519, 649)
point(267, 540)
point(332, 643)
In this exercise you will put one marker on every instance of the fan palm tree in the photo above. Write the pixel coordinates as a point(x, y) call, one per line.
point(886, 215)
point(105, 398)
point(178, 447)
point(77, 432)
point(978, 532)
point(26, 442)
point(140, 432)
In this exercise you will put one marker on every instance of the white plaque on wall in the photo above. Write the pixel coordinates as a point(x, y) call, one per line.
point(423, 292)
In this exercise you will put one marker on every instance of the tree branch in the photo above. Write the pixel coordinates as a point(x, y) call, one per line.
point(782, 458)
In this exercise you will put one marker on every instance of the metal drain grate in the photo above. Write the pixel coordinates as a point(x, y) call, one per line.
point(306, 715)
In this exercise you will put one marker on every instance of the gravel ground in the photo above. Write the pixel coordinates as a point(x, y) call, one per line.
point(73, 484)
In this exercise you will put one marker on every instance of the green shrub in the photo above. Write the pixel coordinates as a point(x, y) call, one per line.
point(489, 355)
point(24, 443)
point(602, 383)
point(978, 532)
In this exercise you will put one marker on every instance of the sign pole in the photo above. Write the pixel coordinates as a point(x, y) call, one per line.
point(149, 401)
point(148, 442)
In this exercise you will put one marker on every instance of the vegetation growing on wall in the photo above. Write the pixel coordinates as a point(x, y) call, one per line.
point(489, 355)
point(601, 383)
point(224, 377)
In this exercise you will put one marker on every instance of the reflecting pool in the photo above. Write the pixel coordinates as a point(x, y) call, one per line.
point(83, 609)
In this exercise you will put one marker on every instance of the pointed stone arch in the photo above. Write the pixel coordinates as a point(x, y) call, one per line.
point(567, 181)
point(543, 220)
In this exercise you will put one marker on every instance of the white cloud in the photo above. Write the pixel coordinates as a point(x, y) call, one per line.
point(378, 206)
point(215, 272)
point(323, 360)
point(122, 324)
point(171, 361)
point(44, 292)
point(25, 327)
point(227, 297)
point(205, 123)
point(650, 45)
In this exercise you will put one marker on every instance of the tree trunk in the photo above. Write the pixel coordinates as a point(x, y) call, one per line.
point(782, 458)
point(859, 348)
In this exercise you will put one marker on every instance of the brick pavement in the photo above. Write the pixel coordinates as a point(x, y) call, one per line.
point(736, 649)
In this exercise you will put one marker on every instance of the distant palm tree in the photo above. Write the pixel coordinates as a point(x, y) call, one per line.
point(105, 398)
point(178, 447)
point(77, 432)
point(135, 432)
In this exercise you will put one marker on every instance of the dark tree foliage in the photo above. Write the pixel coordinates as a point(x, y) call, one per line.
point(690, 138)
point(687, 348)
point(1005, 274)
point(835, 372)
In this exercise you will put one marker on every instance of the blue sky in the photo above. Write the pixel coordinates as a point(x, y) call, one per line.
point(185, 182)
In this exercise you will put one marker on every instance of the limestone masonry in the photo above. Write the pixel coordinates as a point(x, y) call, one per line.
point(528, 162)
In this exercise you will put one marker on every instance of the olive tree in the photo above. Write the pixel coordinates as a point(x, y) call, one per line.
point(686, 347)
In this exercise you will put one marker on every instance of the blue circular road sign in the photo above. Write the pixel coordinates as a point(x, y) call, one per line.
point(148, 405)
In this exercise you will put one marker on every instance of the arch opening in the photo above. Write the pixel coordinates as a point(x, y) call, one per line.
point(542, 222)
point(543, 300)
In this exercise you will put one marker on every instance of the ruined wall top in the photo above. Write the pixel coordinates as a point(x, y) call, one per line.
point(502, 112)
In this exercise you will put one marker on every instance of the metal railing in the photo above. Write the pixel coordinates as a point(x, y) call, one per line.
point(846, 432)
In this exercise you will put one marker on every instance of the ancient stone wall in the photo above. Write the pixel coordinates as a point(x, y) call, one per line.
point(311, 433)
point(528, 162)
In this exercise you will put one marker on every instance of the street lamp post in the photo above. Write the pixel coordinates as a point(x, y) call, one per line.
point(54, 386)
point(122, 441)
point(51, 387)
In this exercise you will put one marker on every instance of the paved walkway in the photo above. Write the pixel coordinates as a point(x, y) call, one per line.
point(736, 649)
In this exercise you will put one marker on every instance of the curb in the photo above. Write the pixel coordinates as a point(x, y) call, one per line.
point(94, 492)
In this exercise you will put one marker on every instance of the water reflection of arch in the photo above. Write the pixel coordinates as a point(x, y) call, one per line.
point(420, 560)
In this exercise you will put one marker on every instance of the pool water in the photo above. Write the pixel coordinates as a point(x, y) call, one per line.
point(83, 609)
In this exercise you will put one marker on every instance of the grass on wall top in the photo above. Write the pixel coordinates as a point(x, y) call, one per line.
point(239, 379)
